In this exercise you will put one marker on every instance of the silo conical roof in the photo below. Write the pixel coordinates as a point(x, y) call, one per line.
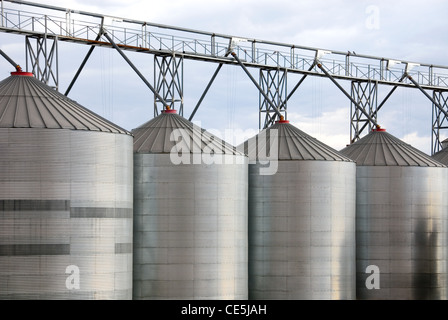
point(442, 155)
point(170, 130)
point(26, 102)
point(293, 144)
point(380, 148)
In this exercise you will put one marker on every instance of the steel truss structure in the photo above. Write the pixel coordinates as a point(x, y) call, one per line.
point(45, 25)
point(366, 96)
point(42, 59)
point(439, 119)
point(168, 80)
point(274, 85)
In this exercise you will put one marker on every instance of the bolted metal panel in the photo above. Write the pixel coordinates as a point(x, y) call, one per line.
point(401, 221)
point(190, 219)
point(401, 229)
point(190, 229)
point(66, 197)
point(380, 148)
point(302, 231)
point(25, 102)
point(301, 218)
point(288, 143)
point(54, 216)
point(170, 132)
point(442, 155)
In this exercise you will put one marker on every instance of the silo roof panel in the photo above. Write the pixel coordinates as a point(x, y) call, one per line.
point(379, 148)
point(441, 156)
point(26, 102)
point(170, 132)
point(288, 143)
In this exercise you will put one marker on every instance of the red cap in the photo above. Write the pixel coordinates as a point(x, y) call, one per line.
point(282, 120)
point(378, 129)
point(169, 110)
point(21, 73)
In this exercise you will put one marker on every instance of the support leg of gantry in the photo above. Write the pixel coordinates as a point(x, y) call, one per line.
point(42, 59)
point(366, 95)
point(169, 81)
point(439, 120)
point(273, 83)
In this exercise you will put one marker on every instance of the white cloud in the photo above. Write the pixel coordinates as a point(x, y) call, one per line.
point(330, 127)
point(413, 31)
point(418, 142)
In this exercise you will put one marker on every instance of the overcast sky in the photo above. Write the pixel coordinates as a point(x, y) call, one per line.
point(402, 30)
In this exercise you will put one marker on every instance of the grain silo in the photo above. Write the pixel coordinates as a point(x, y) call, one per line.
point(301, 217)
point(65, 197)
point(190, 213)
point(401, 223)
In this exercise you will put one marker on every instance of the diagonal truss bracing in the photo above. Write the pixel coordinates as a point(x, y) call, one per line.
point(439, 119)
point(42, 59)
point(171, 45)
point(273, 83)
point(366, 96)
point(30, 18)
point(169, 80)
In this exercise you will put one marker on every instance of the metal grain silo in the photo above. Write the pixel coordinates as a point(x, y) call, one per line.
point(401, 222)
point(190, 213)
point(301, 217)
point(65, 197)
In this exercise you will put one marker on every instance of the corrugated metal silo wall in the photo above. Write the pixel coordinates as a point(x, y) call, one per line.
point(302, 231)
point(402, 229)
point(65, 214)
point(190, 229)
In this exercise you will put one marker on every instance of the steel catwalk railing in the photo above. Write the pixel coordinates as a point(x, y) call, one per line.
point(83, 27)
point(61, 24)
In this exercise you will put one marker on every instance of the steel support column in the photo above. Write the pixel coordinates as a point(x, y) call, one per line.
point(112, 42)
point(439, 119)
point(366, 96)
point(273, 83)
point(268, 100)
point(169, 81)
point(42, 59)
point(83, 63)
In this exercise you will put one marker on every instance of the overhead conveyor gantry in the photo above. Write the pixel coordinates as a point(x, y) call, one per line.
point(45, 25)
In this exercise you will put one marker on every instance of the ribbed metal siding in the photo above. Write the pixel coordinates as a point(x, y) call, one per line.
point(401, 225)
point(65, 199)
point(190, 229)
point(402, 229)
point(302, 231)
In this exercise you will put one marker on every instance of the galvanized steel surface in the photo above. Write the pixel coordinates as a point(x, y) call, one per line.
point(289, 143)
point(190, 229)
point(401, 220)
point(65, 200)
point(402, 229)
point(26, 102)
point(170, 132)
point(301, 218)
point(379, 148)
point(302, 231)
point(442, 155)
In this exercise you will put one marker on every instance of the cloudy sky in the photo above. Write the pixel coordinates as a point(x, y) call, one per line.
point(403, 30)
